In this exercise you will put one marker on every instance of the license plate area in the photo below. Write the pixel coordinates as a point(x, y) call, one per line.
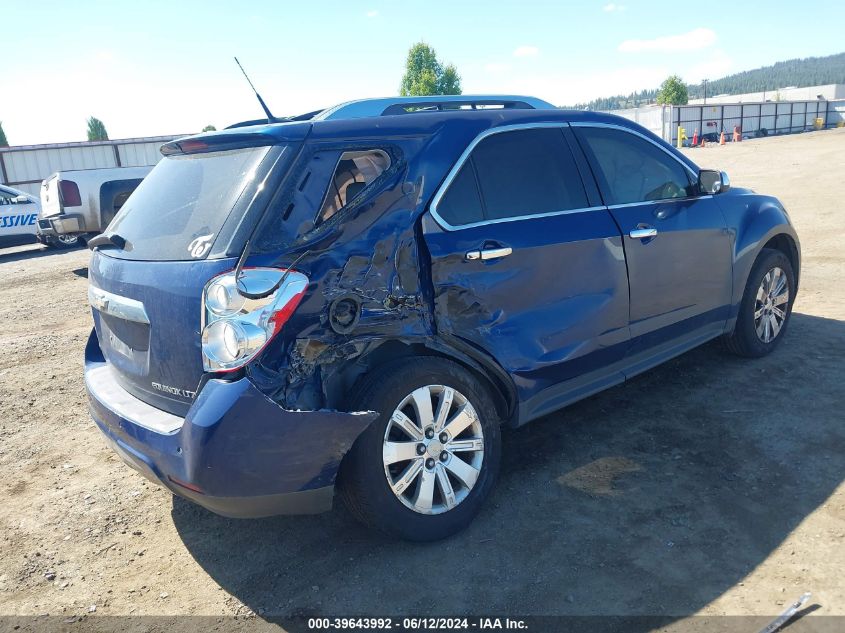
point(124, 343)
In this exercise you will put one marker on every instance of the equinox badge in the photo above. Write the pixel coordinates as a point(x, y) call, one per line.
point(174, 391)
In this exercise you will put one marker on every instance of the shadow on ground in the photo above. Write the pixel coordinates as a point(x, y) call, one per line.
point(24, 252)
point(652, 498)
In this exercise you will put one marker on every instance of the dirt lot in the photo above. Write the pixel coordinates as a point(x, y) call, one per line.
point(711, 485)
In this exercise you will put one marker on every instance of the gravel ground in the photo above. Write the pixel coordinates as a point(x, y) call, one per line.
point(711, 485)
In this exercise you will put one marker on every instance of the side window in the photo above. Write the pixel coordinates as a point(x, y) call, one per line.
point(7, 197)
point(355, 171)
point(634, 169)
point(462, 202)
point(513, 174)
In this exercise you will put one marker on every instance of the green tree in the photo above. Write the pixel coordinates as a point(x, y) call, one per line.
point(3, 141)
point(450, 81)
point(673, 91)
point(209, 128)
point(426, 75)
point(97, 130)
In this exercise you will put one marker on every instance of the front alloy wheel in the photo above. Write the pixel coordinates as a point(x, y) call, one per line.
point(766, 306)
point(771, 305)
point(433, 449)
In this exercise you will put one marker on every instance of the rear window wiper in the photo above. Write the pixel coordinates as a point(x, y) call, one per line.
point(107, 239)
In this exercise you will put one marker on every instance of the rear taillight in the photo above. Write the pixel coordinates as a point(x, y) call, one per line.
point(236, 328)
point(69, 192)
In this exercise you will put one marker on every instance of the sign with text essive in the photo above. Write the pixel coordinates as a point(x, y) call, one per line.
point(15, 223)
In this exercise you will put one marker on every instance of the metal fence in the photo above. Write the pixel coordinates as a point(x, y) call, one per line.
point(658, 119)
point(25, 166)
point(753, 119)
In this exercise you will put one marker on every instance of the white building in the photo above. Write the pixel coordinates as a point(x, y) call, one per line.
point(829, 92)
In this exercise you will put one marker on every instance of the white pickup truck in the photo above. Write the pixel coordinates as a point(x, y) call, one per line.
point(77, 205)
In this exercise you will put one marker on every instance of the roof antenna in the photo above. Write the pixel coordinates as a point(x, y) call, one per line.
point(270, 117)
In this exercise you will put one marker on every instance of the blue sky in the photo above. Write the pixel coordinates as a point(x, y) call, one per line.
point(152, 68)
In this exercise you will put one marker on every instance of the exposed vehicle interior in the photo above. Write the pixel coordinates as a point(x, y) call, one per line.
point(355, 171)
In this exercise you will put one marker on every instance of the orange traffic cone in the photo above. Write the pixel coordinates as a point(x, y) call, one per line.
point(695, 138)
point(722, 138)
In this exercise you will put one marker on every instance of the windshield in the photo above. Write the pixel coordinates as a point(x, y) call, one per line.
point(180, 207)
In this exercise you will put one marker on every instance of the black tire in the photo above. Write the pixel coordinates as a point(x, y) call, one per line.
point(70, 241)
point(363, 482)
point(745, 341)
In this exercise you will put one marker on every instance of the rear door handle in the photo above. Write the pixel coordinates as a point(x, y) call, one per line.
point(489, 253)
point(644, 233)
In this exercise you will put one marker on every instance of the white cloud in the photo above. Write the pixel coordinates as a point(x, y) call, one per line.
point(526, 51)
point(372, 14)
point(610, 8)
point(692, 41)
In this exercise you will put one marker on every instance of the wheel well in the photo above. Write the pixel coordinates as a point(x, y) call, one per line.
point(346, 379)
point(786, 245)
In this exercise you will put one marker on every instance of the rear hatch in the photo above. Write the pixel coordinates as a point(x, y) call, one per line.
point(184, 225)
point(51, 201)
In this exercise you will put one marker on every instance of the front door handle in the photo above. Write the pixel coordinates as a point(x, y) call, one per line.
point(489, 253)
point(643, 233)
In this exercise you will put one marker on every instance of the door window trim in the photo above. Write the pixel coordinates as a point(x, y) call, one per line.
point(690, 172)
point(464, 157)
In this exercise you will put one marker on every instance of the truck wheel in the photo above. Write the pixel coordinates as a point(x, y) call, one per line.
point(766, 306)
point(65, 241)
point(423, 468)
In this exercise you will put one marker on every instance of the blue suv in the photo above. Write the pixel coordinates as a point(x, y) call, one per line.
point(358, 299)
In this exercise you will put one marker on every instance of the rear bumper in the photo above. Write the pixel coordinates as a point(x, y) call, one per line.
point(237, 452)
point(61, 225)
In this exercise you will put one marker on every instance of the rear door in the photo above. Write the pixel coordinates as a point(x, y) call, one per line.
point(526, 265)
point(677, 243)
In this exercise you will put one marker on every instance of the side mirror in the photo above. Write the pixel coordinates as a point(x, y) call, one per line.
point(21, 200)
point(711, 182)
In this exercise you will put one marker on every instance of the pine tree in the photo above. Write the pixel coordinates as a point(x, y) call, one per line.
point(97, 130)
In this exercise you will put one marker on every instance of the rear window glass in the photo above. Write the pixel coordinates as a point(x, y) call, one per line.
point(526, 172)
point(178, 209)
point(514, 174)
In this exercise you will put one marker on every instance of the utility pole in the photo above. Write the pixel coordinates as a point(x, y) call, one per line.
point(705, 92)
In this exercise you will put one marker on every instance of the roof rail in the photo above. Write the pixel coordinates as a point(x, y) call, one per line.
point(406, 105)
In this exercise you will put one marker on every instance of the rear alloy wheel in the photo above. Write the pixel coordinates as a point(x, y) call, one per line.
point(423, 468)
point(766, 306)
point(433, 449)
